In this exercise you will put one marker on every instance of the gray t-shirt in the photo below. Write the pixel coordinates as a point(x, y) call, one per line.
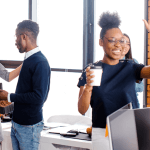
point(4, 74)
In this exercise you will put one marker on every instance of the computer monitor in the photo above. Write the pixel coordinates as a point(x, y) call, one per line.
point(122, 129)
point(129, 129)
point(142, 119)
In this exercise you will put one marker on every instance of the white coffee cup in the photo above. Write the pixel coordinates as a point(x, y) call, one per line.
point(98, 75)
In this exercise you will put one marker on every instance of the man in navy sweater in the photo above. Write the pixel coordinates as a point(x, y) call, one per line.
point(31, 91)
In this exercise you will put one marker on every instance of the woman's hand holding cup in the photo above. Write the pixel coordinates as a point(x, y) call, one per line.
point(89, 80)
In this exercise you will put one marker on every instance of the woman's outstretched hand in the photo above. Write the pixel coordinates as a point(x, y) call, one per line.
point(147, 25)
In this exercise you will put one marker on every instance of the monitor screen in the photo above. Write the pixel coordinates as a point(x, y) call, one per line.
point(122, 129)
point(142, 118)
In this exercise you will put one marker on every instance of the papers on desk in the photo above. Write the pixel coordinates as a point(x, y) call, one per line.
point(51, 125)
point(79, 127)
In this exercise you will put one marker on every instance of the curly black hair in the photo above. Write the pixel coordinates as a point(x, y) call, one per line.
point(29, 26)
point(108, 21)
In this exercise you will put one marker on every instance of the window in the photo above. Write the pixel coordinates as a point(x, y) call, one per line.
point(9, 86)
point(61, 32)
point(12, 12)
point(61, 41)
point(63, 95)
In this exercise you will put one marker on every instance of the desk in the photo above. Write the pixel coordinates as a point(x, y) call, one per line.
point(47, 140)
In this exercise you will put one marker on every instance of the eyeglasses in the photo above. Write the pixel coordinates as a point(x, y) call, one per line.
point(113, 41)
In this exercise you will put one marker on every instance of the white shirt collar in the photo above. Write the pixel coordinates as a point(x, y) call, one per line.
point(31, 52)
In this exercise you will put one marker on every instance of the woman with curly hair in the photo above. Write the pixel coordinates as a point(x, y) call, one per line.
point(118, 80)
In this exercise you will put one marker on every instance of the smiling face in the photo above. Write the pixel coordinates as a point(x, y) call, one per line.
point(112, 50)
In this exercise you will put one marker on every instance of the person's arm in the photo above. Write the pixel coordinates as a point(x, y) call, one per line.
point(139, 86)
point(9, 76)
point(13, 74)
point(40, 83)
point(147, 24)
point(145, 72)
point(40, 86)
point(85, 93)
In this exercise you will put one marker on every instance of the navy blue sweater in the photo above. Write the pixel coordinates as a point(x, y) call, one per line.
point(32, 90)
point(117, 89)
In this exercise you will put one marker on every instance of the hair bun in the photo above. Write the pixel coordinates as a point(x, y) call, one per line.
point(109, 20)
